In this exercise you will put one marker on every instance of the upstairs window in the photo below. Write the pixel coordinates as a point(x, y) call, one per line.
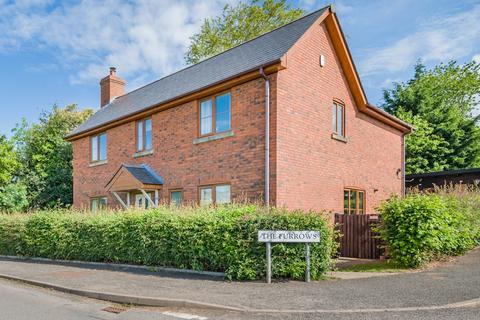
point(338, 119)
point(353, 201)
point(144, 135)
point(217, 194)
point(215, 114)
point(99, 147)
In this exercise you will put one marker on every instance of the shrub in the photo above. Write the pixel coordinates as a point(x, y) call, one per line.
point(215, 239)
point(13, 198)
point(423, 227)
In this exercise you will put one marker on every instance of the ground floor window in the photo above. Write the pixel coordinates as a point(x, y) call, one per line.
point(215, 194)
point(353, 201)
point(176, 197)
point(98, 203)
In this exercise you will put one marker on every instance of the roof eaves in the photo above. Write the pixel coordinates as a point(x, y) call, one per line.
point(73, 134)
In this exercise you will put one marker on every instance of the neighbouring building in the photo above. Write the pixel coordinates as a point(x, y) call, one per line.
point(430, 180)
point(201, 135)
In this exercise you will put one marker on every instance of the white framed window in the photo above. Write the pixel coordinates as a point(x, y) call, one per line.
point(338, 119)
point(215, 194)
point(98, 203)
point(215, 114)
point(144, 135)
point(98, 147)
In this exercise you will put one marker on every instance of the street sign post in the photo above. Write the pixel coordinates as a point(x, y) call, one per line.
point(272, 236)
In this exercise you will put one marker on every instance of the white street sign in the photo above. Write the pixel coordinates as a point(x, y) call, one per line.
point(288, 236)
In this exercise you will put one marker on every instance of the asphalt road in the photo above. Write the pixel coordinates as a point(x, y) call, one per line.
point(21, 302)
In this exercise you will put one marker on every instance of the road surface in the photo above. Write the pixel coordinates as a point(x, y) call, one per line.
point(22, 302)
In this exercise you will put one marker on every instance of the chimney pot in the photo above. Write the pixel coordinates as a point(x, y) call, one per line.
point(111, 87)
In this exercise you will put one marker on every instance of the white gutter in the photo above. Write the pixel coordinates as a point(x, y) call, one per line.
point(267, 137)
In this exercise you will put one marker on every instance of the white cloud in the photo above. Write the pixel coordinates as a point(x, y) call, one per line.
point(452, 37)
point(139, 37)
point(476, 58)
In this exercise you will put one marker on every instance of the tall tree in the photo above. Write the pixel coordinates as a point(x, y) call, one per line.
point(443, 104)
point(238, 24)
point(13, 195)
point(8, 161)
point(46, 157)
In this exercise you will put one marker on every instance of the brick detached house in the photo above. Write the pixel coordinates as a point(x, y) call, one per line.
point(203, 134)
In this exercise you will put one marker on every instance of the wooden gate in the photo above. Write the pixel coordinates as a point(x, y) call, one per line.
point(357, 240)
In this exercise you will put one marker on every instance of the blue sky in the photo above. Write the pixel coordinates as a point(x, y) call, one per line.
point(56, 51)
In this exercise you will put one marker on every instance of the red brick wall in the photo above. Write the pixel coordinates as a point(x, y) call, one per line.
point(238, 160)
point(313, 168)
point(309, 169)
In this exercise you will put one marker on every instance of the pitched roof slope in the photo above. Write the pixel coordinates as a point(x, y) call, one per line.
point(261, 51)
point(144, 174)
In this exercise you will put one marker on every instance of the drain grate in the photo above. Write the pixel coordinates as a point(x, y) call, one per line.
point(115, 309)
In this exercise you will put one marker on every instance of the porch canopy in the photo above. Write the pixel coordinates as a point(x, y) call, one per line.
point(134, 178)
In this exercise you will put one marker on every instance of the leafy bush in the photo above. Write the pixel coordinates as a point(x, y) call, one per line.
point(13, 198)
point(423, 227)
point(215, 239)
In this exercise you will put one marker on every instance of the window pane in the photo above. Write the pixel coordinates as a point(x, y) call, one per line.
point(139, 135)
point(205, 196)
point(176, 198)
point(361, 204)
point(345, 201)
point(94, 205)
point(102, 203)
point(147, 202)
point(340, 120)
point(222, 122)
point(206, 125)
point(334, 118)
point(353, 201)
point(148, 134)
point(95, 148)
point(222, 110)
point(222, 194)
point(206, 117)
point(103, 146)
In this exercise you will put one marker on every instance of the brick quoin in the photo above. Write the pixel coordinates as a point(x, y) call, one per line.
point(309, 169)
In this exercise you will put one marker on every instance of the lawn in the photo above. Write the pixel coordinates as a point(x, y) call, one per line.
point(377, 266)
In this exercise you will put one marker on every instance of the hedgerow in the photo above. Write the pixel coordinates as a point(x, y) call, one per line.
point(424, 227)
point(220, 239)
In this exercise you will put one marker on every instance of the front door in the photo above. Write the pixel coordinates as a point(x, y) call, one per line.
point(142, 202)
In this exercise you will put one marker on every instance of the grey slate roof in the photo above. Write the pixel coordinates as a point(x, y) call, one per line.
point(251, 55)
point(144, 174)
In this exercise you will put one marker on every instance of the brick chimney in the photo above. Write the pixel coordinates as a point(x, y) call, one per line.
point(111, 87)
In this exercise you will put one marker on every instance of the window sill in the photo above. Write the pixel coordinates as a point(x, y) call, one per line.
point(142, 153)
point(214, 137)
point(98, 163)
point(339, 138)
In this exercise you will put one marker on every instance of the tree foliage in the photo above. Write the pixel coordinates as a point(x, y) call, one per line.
point(8, 161)
point(46, 158)
point(238, 24)
point(441, 103)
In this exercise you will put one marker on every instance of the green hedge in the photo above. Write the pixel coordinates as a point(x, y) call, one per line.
point(424, 227)
point(215, 239)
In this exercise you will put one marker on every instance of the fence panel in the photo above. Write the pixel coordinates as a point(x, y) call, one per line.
point(357, 237)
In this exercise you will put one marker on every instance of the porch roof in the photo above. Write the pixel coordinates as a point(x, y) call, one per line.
point(134, 177)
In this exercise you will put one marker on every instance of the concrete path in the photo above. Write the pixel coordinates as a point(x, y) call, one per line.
point(446, 285)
